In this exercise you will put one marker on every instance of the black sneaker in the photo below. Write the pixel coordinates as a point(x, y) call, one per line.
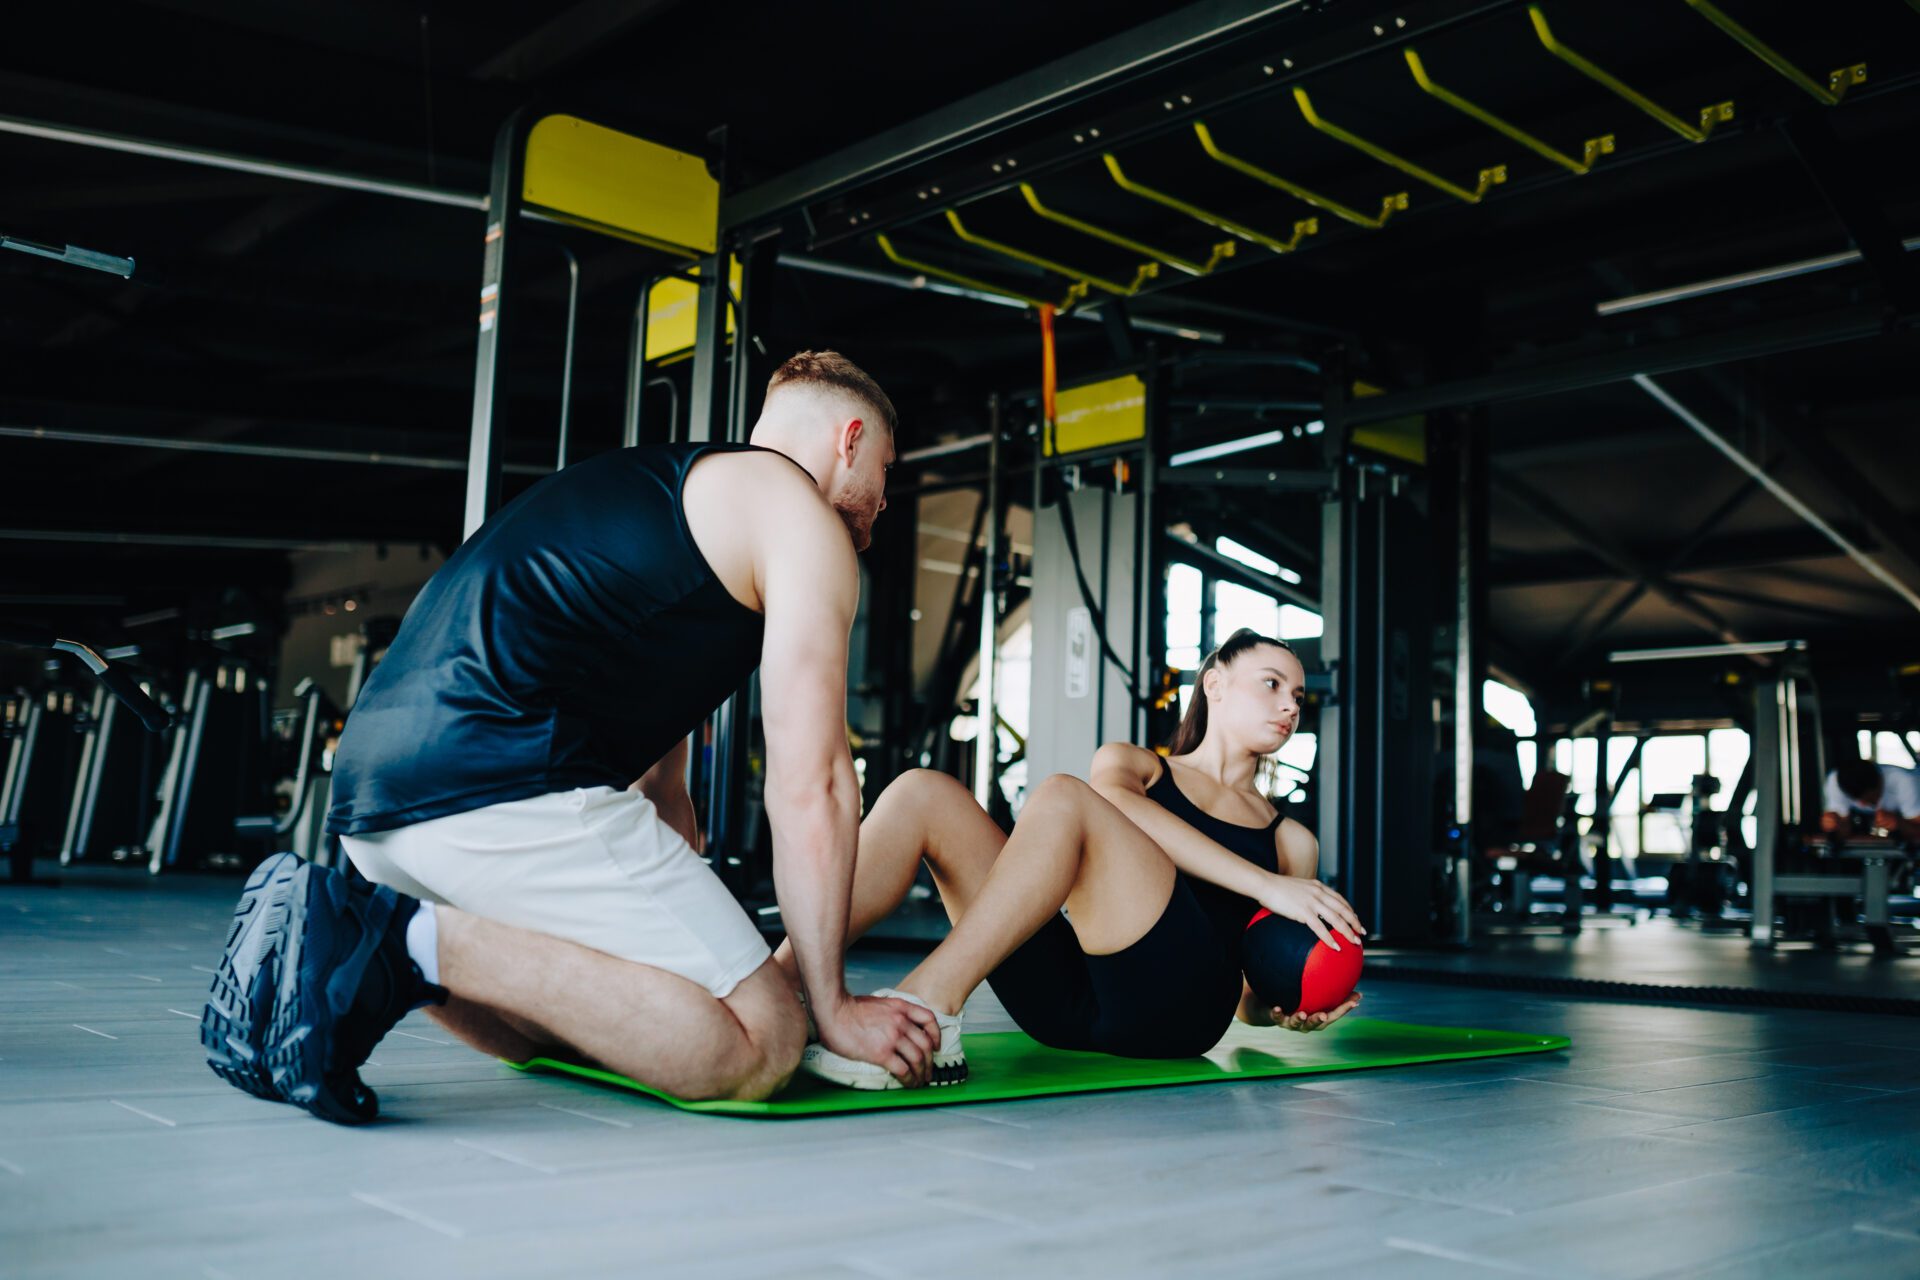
point(241, 1000)
point(345, 979)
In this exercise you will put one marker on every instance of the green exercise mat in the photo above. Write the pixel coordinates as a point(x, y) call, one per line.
point(1010, 1064)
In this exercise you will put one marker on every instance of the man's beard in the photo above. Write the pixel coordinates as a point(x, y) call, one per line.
point(859, 525)
point(857, 508)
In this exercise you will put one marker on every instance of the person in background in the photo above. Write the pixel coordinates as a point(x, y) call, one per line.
point(1888, 792)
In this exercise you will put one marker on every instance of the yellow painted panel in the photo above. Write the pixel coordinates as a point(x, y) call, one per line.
point(608, 179)
point(1100, 413)
point(1404, 438)
point(673, 311)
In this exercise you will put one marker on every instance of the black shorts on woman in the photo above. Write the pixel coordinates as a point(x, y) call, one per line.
point(1173, 993)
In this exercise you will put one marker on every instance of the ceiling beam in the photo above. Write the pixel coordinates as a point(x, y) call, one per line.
point(1624, 561)
point(1725, 554)
point(1577, 372)
point(1762, 601)
point(1579, 638)
point(1813, 452)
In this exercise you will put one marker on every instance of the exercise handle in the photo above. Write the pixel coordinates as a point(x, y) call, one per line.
point(120, 685)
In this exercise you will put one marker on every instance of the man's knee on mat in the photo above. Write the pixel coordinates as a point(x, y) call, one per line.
point(773, 1028)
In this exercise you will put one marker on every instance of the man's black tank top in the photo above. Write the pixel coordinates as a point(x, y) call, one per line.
point(1226, 910)
point(571, 642)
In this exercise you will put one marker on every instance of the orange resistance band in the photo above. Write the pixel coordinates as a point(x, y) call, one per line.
point(1049, 373)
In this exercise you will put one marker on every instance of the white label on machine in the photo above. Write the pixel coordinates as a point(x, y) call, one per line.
point(1079, 680)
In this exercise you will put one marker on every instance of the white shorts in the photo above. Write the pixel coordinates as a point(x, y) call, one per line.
point(594, 866)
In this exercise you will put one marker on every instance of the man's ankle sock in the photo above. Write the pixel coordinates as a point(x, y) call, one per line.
point(423, 942)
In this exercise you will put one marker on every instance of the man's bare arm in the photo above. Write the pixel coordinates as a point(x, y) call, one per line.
point(810, 586)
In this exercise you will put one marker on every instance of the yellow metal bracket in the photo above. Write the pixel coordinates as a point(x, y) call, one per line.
point(1301, 229)
point(1143, 273)
point(1838, 82)
point(1220, 251)
point(954, 277)
point(1488, 177)
point(1396, 201)
point(1592, 149)
point(1718, 113)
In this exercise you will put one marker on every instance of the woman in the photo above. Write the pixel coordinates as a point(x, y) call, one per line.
point(1159, 864)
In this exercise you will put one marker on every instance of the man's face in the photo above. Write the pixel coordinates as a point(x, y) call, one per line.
point(862, 493)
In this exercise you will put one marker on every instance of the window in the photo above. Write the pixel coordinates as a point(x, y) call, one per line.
point(1727, 752)
point(1299, 624)
point(1254, 560)
point(1510, 707)
point(1236, 606)
point(1668, 765)
point(1889, 749)
point(1184, 587)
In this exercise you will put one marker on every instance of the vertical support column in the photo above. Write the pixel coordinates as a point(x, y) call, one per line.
point(986, 753)
point(1334, 764)
point(710, 419)
point(707, 399)
point(1770, 784)
point(1209, 613)
point(1380, 620)
point(566, 368)
point(1150, 610)
point(1603, 817)
point(1468, 455)
point(497, 319)
point(637, 366)
point(733, 383)
point(751, 364)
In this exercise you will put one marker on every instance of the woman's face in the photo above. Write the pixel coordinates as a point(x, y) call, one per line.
point(1256, 699)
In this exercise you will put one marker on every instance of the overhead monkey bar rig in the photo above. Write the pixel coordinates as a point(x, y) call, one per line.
point(844, 205)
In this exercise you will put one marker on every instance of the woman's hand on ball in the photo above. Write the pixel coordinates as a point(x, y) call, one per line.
point(1314, 1021)
point(1314, 905)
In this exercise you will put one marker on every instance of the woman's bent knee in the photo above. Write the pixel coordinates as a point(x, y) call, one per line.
point(924, 787)
point(1061, 789)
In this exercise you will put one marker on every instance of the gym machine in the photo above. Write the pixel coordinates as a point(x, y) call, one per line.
point(1801, 876)
point(115, 786)
point(35, 784)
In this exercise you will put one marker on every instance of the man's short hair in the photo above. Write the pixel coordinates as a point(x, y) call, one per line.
point(831, 369)
point(1858, 778)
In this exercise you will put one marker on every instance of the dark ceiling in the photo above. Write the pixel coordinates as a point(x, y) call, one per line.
point(272, 313)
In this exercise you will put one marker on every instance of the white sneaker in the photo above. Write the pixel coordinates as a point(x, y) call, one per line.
point(949, 1060)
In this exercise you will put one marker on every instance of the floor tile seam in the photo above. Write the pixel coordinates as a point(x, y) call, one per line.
point(1758, 1254)
point(1613, 1104)
point(1492, 1211)
point(1407, 1244)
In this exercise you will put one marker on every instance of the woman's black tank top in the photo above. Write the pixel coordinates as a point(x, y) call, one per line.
point(1227, 911)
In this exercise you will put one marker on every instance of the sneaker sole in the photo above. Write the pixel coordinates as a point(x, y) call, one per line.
point(310, 999)
point(241, 997)
point(944, 1075)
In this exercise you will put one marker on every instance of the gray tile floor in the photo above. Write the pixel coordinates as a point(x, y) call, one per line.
point(1659, 952)
point(1668, 1142)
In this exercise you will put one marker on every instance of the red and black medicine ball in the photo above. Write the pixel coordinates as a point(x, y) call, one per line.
point(1291, 969)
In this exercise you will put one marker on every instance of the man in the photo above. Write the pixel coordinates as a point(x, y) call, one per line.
point(524, 892)
point(1887, 791)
